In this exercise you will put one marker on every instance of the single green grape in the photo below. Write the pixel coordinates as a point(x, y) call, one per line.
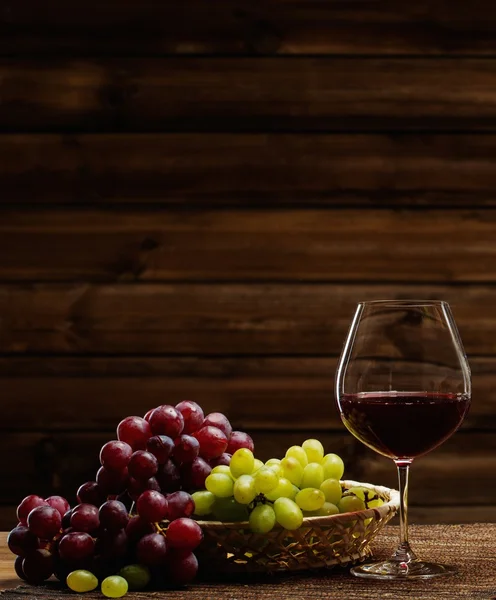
point(288, 513)
point(244, 490)
point(327, 509)
point(114, 586)
point(276, 467)
point(375, 503)
point(262, 518)
point(137, 576)
point(298, 453)
point(220, 484)
point(273, 461)
point(292, 469)
point(222, 469)
point(242, 462)
point(332, 490)
point(228, 510)
point(314, 450)
point(284, 489)
point(333, 466)
point(313, 475)
point(258, 464)
point(204, 500)
point(266, 480)
point(81, 581)
point(350, 504)
point(310, 499)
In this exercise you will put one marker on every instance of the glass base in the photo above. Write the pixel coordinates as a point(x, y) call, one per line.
point(393, 569)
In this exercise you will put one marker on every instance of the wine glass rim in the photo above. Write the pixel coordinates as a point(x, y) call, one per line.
point(404, 303)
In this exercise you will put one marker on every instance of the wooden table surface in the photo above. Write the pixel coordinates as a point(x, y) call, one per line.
point(472, 548)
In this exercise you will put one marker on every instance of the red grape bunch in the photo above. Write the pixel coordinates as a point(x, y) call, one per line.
point(131, 527)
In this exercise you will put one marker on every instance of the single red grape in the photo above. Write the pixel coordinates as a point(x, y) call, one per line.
point(59, 503)
point(135, 431)
point(182, 567)
point(18, 567)
point(111, 482)
point(85, 518)
point(113, 515)
point(161, 446)
point(180, 504)
point(21, 541)
point(115, 455)
point(213, 442)
point(143, 465)
point(44, 522)
point(219, 420)
point(184, 534)
point(27, 505)
point(76, 546)
point(38, 566)
point(192, 414)
point(239, 439)
point(166, 420)
point(169, 477)
point(138, 528)
point(223, 459)
point(186, 449)
point(148, 415)
point(151, 550)
point(195, 473)
point(90, 493)
point(152, 506)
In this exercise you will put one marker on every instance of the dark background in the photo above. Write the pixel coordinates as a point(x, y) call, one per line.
point(195, 195)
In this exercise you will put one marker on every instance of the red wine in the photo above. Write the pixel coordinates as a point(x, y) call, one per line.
point(403, 424)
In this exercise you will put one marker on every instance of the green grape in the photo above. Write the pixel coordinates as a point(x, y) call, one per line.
point(375, 503)
point(228, 510)
point(244, 489)
point(328, 508)
point(242, 462)
point(114, 586)
point(310, 499)
point(137, 576)
point(313, 475)
point(262, 518)
point(365, 494)
point(333, 466)
point(350, 504)
point(222, 469)
point(292, 469)
point(332, 490)
point(220, 484)
point(314, 450)
point(81, 581)
point(265, 480)
point(204, 501)
point(273, 461)
point(288, 513)
point(275, 465)
point(258, 464)
point(298, 453)
point(284, 489)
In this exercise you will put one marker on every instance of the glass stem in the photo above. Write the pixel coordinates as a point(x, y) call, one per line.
point(403, 553)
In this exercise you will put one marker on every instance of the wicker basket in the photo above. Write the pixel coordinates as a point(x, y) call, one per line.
point(319, 542)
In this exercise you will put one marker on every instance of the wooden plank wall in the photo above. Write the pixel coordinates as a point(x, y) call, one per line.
point(194, 196)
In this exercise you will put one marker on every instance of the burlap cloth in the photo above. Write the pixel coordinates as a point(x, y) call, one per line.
point(470, 547)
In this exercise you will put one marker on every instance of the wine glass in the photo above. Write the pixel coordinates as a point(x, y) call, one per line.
point(403, 388)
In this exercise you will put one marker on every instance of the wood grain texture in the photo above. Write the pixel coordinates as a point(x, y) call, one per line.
point(230, 94)
point(247, 27)
point(262, 245)
point(249, 169)
point(256, 393)
point(214, 319)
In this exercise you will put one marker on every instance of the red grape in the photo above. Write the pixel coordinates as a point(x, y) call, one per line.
point(195, 473)
point(85, 518)
point(113, 515)
point(135, 431)
point(18, 567)
point(151, 550)
point(90, 493)
point(115, 455)
point(59, 503)
point(148, 415)
point(169, 477)
point(112, 544)
point(143, 465)
point(138, 528)
point(192, 415)
point(166, 420)
point(76, 546)
point(111, 482)
point(161, 446)
point(66, 519)
point(182, 567)
point(186, 449)
point(44, 522)
point(21, 541)
point(27, 505)
point(152, 506)
point(38, 566)
point(223, 459)
point(180, 504)
point(213, 441)
point(184, 534)
point(239, 439)
point(219, 420)
point(135, 487)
